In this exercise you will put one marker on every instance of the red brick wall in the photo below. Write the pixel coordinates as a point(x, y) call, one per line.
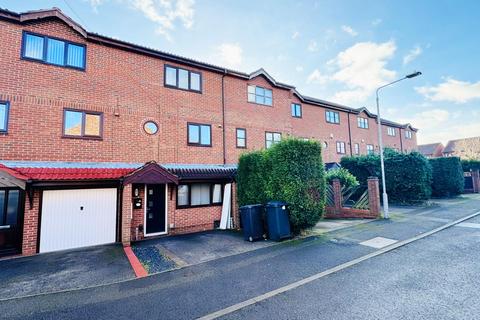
point(258, 119)
point(115, 82)
point(184, 220)
point(128, 88)
point(30, 225)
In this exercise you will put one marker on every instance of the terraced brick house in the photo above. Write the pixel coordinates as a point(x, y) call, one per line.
point(106, 141)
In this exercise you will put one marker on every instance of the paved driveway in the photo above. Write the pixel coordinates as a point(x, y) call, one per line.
point(204, 246)
point(64, 270)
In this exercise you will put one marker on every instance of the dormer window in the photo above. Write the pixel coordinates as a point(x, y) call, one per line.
point(362, 122)
point(53, 51)
point(259, 95)
point(183, 79)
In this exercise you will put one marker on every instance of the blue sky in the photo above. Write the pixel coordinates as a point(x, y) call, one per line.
point(334, 50)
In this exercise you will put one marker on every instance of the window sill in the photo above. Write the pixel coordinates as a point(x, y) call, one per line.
point(261, 104)
point(83, 138)
point(199, 145)
point(181, 89)
point(200, 206)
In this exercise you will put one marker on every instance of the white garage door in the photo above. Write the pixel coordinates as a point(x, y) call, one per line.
point(77, 218)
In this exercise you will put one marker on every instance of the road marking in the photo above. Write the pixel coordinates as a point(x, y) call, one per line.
point(378, 242)
point(469, 225)
point(294, 285)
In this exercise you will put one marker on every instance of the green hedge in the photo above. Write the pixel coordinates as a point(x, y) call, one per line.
point(448, 177)
point(470, 165)
point(291, 171)
point(346, 178)
point(408, 176)
point(251, 182)
point(297, 176)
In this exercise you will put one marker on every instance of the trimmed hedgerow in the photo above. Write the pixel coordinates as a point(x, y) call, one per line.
point(291, 171)
point(408, 176)
point(297, 176)
point(346, 178)
point(470, 165)
point(448, 179)
point(251, 178)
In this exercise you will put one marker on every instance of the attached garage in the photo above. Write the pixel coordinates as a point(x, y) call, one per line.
point(77, 218)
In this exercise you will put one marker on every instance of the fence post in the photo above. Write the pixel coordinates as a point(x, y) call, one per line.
point(337, 195)
point(373, 196)
point(476, 181)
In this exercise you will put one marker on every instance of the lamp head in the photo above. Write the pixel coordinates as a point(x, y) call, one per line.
point(413, 75)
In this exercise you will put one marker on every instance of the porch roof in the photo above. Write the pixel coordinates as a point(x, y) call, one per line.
point(74, 171)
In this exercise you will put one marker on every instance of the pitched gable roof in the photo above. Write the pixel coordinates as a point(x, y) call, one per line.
point(429, 149)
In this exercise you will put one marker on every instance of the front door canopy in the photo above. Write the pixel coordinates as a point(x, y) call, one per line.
point(151, 173)
point(10, 178)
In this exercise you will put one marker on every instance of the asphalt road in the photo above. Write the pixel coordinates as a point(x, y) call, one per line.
point(433, 278)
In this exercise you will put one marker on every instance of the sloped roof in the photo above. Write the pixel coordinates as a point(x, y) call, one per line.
point(460, 144)
point(98, 38)
point(75, 171)
point(428, 149)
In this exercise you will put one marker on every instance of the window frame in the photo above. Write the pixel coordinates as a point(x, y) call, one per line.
point(392, 129)
point(372, 151)
point(83, 135)
point(7, 115)
point(199, 144)
point(356, 148)
point(212, 187)
point(364, 121)
point(44, 52)
point(334, 112)
point(236, 138)
point(273, 141)
point(408, 134)
point(255, 102)
point(341, 143)
point(176, 86)
point(292, 109)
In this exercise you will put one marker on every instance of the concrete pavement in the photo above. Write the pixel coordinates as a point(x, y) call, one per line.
point(204, 288)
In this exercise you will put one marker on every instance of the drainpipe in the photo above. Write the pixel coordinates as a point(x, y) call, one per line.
point(401, 143)
point(349, 134)
point(223, 117)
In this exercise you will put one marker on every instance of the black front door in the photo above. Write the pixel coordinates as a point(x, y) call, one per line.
point(11, 221)
point(155, 209)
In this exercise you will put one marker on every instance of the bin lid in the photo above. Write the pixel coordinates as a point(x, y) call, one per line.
point(249, 206)
point(276, 204)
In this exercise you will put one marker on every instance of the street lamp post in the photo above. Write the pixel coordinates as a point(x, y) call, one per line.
point(380, 141)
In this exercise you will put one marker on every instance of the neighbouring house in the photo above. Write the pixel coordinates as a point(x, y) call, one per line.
point(431, 150)
point(467, 148)
point(103, 141)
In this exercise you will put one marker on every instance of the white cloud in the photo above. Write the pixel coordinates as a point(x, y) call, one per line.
point(376, 22)
point(412, 55)
point(95, 4)
point(312, 46)
point(299, 68)
point(350, 31)
point(316, 77)
point(230, 55)
point(164, 13)
point(295, 35)
point(452, 90)
point(436, 126)
point(362, 68)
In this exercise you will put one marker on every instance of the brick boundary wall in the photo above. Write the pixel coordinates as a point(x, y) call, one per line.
point(339, 212)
